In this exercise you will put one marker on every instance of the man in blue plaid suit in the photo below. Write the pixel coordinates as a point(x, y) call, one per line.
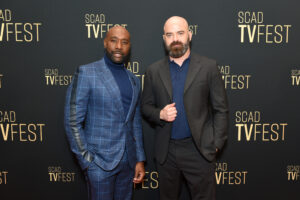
point(103, 122)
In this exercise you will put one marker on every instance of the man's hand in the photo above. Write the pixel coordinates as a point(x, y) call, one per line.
point(168, 113)
point(139, 172)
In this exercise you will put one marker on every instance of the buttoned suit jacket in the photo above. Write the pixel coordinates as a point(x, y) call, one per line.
point(96, 126)
point(205, 104)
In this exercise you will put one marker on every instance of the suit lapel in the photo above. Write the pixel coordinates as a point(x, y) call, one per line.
point(194, 67)
point(109, 81)
point(165, 76)
point(135, 91)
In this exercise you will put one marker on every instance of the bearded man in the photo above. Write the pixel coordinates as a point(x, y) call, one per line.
point(103, 122)
point(185, 99)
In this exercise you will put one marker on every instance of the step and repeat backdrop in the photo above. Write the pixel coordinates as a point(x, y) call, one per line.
point(256, 44)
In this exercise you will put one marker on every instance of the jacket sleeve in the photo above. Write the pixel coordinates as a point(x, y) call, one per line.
point(149, 109)
point(138, 134)
point(75, 113)
point(219, 103)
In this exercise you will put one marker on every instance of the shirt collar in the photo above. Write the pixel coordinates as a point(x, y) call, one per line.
point(186, 60)
point(111, 64)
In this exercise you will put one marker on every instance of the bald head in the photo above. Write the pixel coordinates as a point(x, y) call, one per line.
point(120, 30)
point(117, 44)
point(177, 37)
point(176, 21)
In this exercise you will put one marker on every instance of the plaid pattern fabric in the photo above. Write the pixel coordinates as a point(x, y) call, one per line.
point(107, 185)
point(95, 123)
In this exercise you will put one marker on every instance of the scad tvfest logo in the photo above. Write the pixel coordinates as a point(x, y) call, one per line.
point(193, 28)
point(251, 128)
point(17, 31)
point(56, 174)
point(134, 67)
point(254, 30)
point(14, 131)
point(150, 181)
point(53, 78)
point(97, 25)
point(224, 176)
point(234, 81)
point(3, 177)
point(293, 172)
point(295, 76)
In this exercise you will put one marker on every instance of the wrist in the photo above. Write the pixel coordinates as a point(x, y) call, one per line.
point(140, 163)
point(160, 114)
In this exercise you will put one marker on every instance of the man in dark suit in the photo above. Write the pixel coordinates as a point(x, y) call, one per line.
point(103, 122)
point(184, 97)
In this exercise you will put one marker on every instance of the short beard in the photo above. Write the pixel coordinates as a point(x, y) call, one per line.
point(110, 56)
point(177, 52)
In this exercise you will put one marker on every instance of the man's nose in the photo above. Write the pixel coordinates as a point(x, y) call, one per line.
point(175, 38)
point(119, 45)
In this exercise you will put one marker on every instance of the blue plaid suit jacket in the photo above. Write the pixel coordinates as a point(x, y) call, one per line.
point(95, 123)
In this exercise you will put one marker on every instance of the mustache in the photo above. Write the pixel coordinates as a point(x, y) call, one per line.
point(117, 52)
point(176, 43)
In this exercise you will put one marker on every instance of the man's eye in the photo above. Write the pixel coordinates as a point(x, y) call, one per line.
point(113, 40)
point(124, 42)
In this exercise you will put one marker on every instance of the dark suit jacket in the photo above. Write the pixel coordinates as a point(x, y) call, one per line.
point(205, 103)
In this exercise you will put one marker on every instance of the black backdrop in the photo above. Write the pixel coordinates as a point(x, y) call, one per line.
point(257, 48)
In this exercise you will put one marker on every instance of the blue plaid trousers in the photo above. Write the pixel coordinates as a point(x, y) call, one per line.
point(115, 184)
